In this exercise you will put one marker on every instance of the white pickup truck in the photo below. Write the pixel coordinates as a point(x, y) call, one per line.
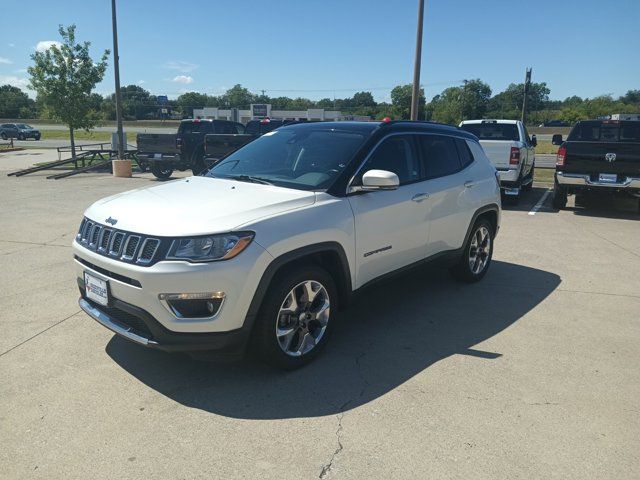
point(510, 150)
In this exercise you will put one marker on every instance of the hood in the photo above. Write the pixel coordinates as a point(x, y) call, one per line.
point(195, 206)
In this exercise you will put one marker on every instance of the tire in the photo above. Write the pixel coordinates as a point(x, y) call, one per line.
point(474, 261)
point(290, 350)
point(37, 138)
point(559, 200)
point(197, 162)
point(3, 136)
point(529, 185)
point(161, 172)
point(21, 137)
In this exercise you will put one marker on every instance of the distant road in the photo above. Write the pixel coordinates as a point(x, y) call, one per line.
point(545, 160)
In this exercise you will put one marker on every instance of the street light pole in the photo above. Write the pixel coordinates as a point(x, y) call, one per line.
point(116, 71)
point(415, 94)
point(527, 83)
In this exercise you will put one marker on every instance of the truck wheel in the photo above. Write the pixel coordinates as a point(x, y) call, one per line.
point(296, 318)
point(559, 200)
point(161, 172)
point(197, 162)
point(477, 253)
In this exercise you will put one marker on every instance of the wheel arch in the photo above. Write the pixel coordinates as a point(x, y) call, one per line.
point(491, 213)
point(329, 255)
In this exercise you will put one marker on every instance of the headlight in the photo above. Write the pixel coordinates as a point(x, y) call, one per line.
point(209, 248)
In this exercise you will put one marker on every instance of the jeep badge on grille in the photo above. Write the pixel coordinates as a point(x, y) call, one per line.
point(112, 221)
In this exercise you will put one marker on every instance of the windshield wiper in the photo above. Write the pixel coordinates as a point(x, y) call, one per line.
point(249, 178)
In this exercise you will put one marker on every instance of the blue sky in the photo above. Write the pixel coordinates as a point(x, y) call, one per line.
point(318, 48)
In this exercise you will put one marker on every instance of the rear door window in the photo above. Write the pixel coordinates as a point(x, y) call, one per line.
point(439, 155)
point(466, 158)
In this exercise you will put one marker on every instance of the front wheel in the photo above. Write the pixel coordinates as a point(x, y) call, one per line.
point(3, 136)
point(296, 319)
point(160, 171)
point(477, 254)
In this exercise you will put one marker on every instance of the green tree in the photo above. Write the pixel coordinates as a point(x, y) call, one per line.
point(238, 97)
point(631, 97)
point(64, 77)
point(14, 103)
point(190, 100)
point(401, 101)
point(508, 104)
point(454, 104)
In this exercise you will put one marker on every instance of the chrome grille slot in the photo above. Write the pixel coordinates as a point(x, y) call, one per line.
point(87, 230)
point(130, 247)
point(95, 235)
point(104, 239)
point(148, 250)
point(81, 229)
point(116, 243)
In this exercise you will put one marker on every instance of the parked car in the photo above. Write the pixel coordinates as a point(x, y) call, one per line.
point(21, 131)
point(599, 156)
point(510, 149)
point(554, 123)
point(182, 151)
point(263, 250)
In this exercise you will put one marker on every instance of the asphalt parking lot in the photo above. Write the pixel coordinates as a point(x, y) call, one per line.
point(532, 373)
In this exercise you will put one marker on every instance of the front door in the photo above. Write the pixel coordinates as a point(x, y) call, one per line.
point(391, 226)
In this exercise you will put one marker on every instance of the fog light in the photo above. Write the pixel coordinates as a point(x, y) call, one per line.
point(193, 305)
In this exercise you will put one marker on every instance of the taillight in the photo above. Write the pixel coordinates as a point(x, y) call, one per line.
point(562, 152)
point(514, 157)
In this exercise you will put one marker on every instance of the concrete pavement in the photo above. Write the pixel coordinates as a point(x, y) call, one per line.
point(531, 373)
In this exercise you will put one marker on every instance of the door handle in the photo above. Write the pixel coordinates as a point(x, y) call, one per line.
point(418, 197)
point(469, 184)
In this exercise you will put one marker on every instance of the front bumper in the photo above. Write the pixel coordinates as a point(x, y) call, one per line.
point(138, 326)
point(585, 180)
point(141, 287)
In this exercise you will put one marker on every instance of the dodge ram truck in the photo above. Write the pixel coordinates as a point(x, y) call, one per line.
point(598, 157)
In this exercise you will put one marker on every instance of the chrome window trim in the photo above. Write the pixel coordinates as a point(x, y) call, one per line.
point(351, 189)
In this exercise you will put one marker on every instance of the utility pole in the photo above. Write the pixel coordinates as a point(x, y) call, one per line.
point(415, 94)
point(527, 83)
point(116, 71)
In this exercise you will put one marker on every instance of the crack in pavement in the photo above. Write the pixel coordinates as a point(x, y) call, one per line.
point(326, 469)
point(39, 333)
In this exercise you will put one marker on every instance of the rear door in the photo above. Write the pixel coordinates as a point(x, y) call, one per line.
point(391, 226)
point(450, 184)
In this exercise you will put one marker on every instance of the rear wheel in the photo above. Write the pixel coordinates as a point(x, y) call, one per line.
point(296, 319)
point(559, 200)
point(3, 136)
point(477, 254)
point(160, 171)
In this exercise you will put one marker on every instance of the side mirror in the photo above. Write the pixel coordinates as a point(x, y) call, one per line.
point(534, 140)
point(556, 139)
point(374, 180)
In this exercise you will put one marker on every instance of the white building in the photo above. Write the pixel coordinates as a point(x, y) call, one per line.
point(262, 110)
point(625, 116)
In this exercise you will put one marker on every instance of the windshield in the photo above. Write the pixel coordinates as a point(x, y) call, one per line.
point(493, 131)
point(605, 132)
point(23, 126)
point(306, 159)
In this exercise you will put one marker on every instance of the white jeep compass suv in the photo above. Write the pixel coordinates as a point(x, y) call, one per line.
point(264, 248)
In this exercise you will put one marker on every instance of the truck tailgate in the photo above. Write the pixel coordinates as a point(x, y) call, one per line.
point(499, 151)
point(157, 143)
point(222, 144)
point(590, 157)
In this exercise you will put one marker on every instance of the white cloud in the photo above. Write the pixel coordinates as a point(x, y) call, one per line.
point(186, 79)
point(141, 82)
point(45, 45)
point(184, 67)
point(14, 81)
point(21, 70)
point(12, 44)
point(5, 61)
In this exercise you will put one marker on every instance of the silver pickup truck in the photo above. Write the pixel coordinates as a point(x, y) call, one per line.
point(510, 150)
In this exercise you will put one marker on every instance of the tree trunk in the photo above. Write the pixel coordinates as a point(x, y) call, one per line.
point(73, 146)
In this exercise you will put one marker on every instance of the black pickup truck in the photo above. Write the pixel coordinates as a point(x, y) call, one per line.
point(599, 156)
point(166, 152)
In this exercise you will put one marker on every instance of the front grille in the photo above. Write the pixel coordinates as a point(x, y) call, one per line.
point(120, 245)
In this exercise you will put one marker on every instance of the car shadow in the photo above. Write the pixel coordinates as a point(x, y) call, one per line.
point(527, 199)
point(619, 208)
point(392, 332)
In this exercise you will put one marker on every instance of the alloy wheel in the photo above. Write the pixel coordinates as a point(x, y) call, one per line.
point(303, 317)
point(480, 250)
